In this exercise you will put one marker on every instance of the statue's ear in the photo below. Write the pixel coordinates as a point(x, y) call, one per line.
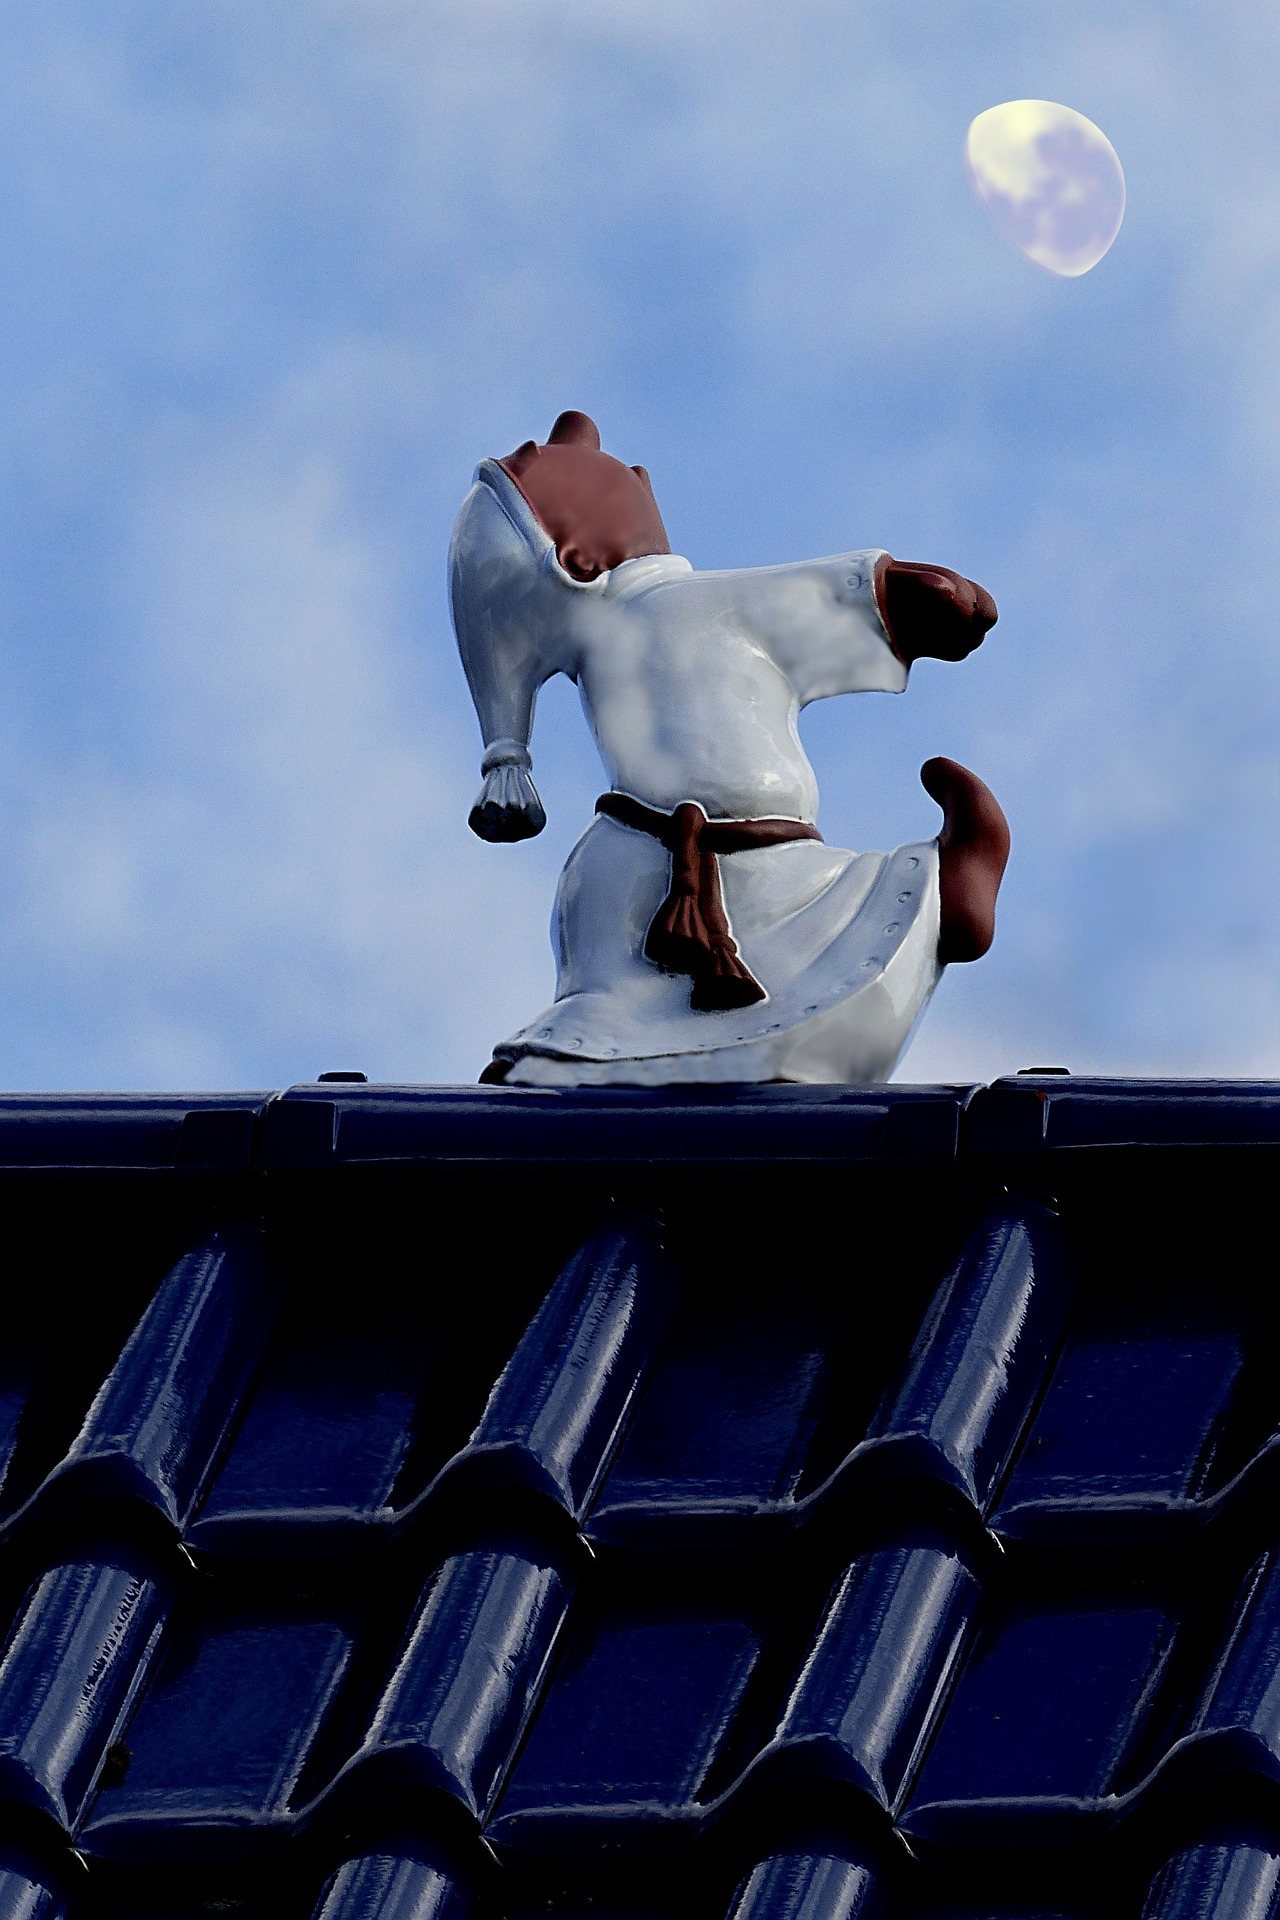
point(575, 430)
point(523, 457)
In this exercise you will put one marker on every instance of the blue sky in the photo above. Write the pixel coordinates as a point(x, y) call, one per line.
point(275, 277)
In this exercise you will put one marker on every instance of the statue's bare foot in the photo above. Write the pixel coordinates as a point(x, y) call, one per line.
point(974, 851)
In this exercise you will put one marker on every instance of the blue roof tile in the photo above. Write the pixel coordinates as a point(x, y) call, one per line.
point(858, 1712)
point(1045, 1116)
point(1236, 1724)
point(791, 1504)
point(80, 1648)
point(28, 1889)
point(1133, 1414)
point(129, 1132)
point(640, 1708)
point(374, 1126)
point(1046, 1712)
point(453, 1710)
point(221, 1736)
point(159, 1420)
point(395, 1886)
point(1236, 1879)
point(809, 1886)
point(758, 1371)
point(981, 1357)
point(559, 1403)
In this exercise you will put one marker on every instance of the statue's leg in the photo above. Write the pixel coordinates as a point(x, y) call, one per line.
point(973, 850)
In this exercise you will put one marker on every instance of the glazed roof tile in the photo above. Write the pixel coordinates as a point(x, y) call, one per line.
point(837, 1504)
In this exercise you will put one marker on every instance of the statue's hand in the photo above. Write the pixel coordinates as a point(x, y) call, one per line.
point(507, 806)
point(931, 612)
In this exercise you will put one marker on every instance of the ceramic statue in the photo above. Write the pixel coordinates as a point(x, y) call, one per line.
point(704, 930)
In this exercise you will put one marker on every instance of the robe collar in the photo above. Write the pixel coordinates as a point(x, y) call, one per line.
point(649, 570)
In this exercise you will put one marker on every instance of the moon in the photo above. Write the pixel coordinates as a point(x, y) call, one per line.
point(1050, 180)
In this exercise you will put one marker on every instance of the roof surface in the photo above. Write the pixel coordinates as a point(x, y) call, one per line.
point(777, 1504)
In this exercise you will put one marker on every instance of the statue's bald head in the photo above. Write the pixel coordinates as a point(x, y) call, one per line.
point(598, 511)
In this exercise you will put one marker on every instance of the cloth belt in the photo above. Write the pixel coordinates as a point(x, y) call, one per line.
point(690, 931)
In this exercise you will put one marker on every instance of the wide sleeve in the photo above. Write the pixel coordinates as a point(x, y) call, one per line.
point(820, 624)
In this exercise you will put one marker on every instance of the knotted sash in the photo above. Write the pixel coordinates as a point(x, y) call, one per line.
point(690, 932)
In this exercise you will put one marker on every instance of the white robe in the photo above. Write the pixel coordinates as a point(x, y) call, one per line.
point(692, 683)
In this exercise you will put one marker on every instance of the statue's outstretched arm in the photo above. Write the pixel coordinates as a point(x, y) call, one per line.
point(856, 622)
point(821, 624)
